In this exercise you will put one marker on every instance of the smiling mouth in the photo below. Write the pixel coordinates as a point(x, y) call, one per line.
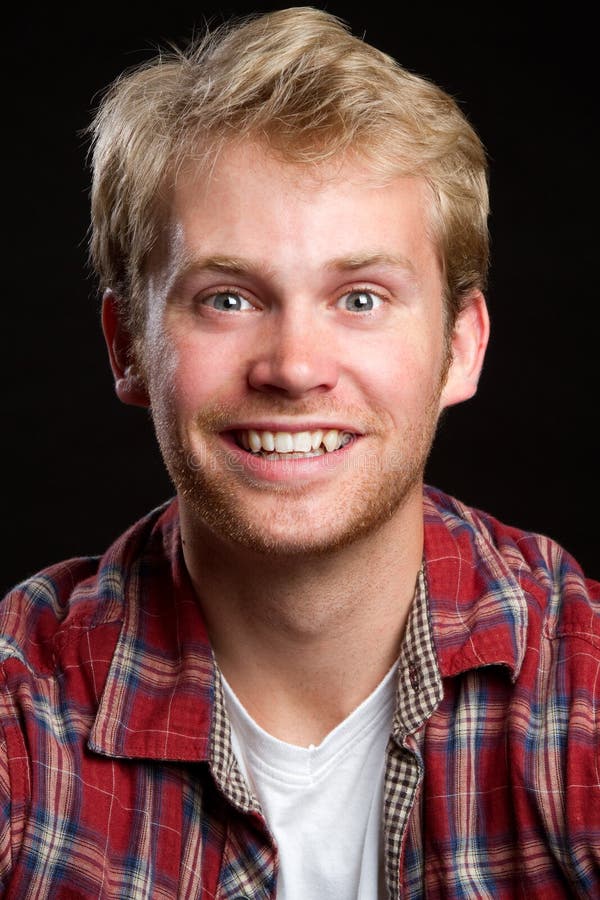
point(292, 445)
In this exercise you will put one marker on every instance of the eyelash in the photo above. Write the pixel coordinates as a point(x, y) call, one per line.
point(362, 290)
point(202, 301)
point(235, 292)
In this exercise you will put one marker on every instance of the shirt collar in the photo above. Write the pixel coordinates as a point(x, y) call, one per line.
point(161, 698)
point(157, 701)
point(477, 606)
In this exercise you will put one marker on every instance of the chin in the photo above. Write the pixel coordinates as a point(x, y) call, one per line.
point(294, 527)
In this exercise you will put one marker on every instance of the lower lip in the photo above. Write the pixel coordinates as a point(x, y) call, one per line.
point(261, 468)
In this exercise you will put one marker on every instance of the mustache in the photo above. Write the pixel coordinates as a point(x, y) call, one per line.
point(221, 416)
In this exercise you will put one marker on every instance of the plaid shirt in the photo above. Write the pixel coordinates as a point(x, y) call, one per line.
point(117, 777)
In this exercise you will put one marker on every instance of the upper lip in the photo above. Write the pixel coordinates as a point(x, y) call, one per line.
point(293, 427)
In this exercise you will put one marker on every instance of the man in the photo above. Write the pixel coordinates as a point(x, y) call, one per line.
point(308, 676)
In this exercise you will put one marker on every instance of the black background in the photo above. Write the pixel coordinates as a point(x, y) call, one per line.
point(79, 467)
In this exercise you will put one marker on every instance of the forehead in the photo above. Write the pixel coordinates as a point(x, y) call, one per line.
point(253, 161)
point(254, 155)
point(253, 203)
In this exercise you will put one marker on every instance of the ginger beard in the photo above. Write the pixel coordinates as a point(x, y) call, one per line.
point(375, 485)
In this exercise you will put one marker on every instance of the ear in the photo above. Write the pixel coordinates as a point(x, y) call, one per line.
point(469, 343)
point(129, 383)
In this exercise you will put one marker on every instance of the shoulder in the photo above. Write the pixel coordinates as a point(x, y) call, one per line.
point(558, 595)
point(40, 611)
point(77, 596)
point(501, 595)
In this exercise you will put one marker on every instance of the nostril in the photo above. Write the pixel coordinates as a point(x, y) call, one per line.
point(293, 377)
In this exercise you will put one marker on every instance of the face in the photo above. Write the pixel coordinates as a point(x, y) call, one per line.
point(295, 356)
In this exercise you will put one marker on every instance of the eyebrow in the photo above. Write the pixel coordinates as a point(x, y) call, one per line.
point(234, 265)
point(218, 263)
point(367, 260)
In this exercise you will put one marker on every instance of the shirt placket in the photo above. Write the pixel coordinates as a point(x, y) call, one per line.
point(419, 693)
point(250, 860)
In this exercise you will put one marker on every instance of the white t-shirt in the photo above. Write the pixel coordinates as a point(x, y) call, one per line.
point(323, 804)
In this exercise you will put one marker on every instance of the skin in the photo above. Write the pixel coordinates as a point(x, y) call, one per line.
point(335, 320)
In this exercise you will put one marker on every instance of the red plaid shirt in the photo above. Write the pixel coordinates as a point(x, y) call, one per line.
point(117, 777)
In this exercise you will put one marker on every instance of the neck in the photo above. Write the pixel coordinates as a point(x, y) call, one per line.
point(303, 641)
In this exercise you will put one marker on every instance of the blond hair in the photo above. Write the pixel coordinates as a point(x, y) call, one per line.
point(298, 80)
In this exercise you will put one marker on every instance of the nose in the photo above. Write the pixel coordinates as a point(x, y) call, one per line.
point(296, 354)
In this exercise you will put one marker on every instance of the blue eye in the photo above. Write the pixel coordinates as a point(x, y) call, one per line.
point(227, 301)
point(359, 301)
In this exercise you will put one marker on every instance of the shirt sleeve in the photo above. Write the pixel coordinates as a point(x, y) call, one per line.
point(14, 784)
point(5, 842)
point(582, 765)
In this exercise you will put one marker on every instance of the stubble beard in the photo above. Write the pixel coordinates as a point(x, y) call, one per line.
point(381, 489)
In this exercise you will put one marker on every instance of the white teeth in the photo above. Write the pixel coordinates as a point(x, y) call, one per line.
point(284, 443)
point(330, 440)
point(268, 441)
point(316, 438)
point(254, 440)
point(294, 444)
point(302, 442)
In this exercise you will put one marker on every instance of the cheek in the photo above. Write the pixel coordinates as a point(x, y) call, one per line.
point(400, 378)
point(195, 373)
